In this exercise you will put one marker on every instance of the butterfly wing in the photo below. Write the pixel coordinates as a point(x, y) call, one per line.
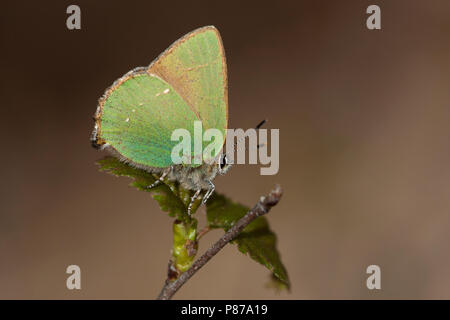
point(137, 116)
point(195, 66)
point(187, 82)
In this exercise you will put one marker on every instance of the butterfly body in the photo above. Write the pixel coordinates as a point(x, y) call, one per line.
point(136, 116)
point(191, 178)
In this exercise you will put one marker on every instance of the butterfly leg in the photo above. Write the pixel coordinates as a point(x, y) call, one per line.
point(209, 192)
point(195, 196)
point(160, 179)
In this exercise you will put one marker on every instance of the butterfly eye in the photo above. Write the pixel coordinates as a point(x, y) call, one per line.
point(223, 161)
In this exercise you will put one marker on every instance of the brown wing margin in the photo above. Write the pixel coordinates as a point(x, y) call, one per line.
point(154, 68)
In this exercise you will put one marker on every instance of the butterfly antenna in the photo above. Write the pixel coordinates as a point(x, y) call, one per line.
point(261, 124)
point(257, 127)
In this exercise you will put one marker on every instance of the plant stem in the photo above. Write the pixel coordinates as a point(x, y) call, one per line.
point(262, 207)
point(202, 232)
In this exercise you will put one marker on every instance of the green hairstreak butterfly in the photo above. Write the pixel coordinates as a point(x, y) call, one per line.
point(138, 113)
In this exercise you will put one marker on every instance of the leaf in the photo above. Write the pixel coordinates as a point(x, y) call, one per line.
point(171, 197)
point(256, 239)
point(276, 284)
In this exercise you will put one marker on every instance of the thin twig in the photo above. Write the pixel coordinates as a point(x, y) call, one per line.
point(262, 207)
point(202, 232)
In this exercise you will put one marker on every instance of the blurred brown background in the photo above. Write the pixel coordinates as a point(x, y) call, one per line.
point(363, 118)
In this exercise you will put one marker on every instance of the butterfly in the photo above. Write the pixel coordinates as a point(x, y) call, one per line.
point(137, 115)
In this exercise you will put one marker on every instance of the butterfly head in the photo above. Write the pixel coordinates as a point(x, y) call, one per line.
point(224, 164)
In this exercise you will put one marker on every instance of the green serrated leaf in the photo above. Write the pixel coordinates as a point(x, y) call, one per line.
point(276, 284)
point(172, 198)
point(256, 239)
